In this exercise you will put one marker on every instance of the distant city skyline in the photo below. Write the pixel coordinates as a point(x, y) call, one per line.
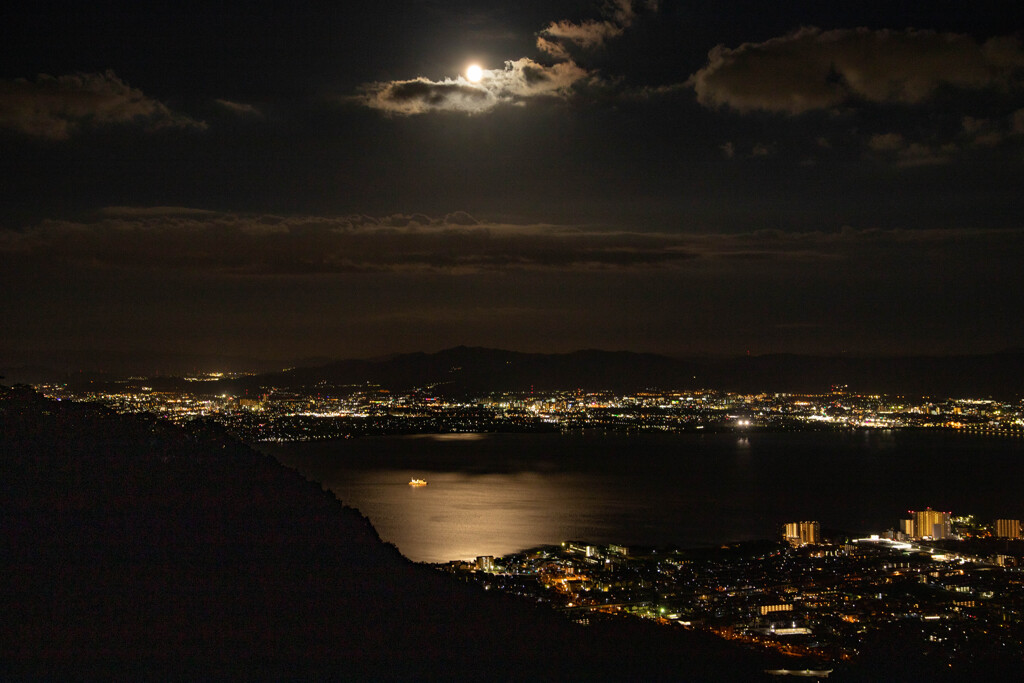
point(275, 182)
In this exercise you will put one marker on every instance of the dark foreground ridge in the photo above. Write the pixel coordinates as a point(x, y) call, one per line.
point(132, 549)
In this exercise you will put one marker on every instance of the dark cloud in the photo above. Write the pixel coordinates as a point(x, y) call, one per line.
point(57, 107)
point(149, 211)
point(887, 142)
point(975, 133)
point(1017, 125)
point(239, 108)
point(812, 69)
point(625, 11)
point(169, 237)
point(174, 238)
point(983, 132)
point(757, 150)
point(460, 218)
point(993, 131)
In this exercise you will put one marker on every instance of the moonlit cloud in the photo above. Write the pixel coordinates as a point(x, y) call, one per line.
point(525, 78)
point(558, 38)
point(421, 95)
point(587, 35)
point(520, 80)
point(553, 48)
point(812, 69)
point(55, 108)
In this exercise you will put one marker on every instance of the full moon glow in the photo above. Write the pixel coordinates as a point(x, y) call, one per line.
point(474, 73)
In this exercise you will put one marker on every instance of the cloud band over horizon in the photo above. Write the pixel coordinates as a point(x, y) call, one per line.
point(198, 240)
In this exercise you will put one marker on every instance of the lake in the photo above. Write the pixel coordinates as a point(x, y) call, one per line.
point(493, 494)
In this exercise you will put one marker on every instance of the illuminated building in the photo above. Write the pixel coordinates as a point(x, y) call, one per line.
point(1008, 528)
point(931, 524)
point(583, 548)
point(802, 533)
point(907, 527)
point(485, 563)
point(784, 607)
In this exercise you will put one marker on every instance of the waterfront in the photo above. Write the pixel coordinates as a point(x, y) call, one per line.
point(492, 494)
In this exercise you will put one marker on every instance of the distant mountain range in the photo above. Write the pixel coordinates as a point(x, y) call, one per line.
point(37, 367)
point(465, 370)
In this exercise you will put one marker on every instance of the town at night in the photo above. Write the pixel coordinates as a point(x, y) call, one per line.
point(530, 340)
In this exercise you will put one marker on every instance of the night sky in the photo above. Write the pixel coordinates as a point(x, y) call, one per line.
point(294, 179)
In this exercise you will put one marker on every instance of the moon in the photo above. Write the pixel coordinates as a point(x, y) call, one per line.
point(474, 73)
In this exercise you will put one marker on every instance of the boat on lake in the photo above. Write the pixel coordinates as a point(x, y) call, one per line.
point(417, 482)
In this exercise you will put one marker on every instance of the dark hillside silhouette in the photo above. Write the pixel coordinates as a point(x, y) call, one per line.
point(135, 549)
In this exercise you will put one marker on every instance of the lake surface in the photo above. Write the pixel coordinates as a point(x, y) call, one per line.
point(493, 494)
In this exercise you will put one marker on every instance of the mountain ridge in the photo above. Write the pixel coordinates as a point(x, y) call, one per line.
point(467, 370)
point(474, 370)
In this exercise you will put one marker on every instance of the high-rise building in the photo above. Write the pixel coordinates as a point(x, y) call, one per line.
point(907, 527)
point(931, 524)
point(1008, 528)
point(802, 533)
